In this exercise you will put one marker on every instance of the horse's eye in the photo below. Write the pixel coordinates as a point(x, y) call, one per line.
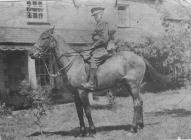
point(45, 37)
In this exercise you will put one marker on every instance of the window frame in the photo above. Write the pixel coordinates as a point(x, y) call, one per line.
point(123, 15)
point(41, 71)
point(39, 10)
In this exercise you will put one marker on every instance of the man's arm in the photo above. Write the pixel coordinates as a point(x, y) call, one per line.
point(102, 37)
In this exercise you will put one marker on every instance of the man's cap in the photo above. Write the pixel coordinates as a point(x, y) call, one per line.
point(96, 10)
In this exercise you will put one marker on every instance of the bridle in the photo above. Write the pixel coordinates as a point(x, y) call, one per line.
point(43, 52)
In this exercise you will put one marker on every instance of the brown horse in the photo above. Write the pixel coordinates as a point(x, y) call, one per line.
point(124, 68)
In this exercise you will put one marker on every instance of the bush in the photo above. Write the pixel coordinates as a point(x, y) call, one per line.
point(25, 90)
point(40, 105)
point(39, 101)
point(4, 110)
point(168, 54)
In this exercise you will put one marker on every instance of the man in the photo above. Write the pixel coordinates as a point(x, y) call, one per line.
point(101, 38)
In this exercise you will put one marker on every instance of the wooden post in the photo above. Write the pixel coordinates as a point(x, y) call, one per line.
point(32, 72)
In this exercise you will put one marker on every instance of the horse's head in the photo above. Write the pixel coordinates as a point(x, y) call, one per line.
point(44, 44)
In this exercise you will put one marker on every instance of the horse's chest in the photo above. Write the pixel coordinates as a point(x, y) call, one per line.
point(76, 75)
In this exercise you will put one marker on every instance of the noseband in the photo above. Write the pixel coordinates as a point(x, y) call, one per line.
point(52, 41)
point(43, 52)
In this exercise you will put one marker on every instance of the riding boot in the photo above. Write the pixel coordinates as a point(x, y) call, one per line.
point(90, 84)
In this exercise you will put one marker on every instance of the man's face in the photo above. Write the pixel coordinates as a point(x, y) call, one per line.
point(98, 17)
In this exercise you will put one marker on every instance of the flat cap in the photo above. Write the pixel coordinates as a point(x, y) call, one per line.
point(96, 10)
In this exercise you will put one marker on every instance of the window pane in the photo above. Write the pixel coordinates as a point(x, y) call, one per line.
point(42, 81)
point(121, 7)
point(122, 15)
point(28, 9)
point(29, 3)
point(34, 2)
point(41, 72)
point(29, 15)
point(40, 10)
point(34, 9)
point(40, 15)
point(34, 15)
point(40, 3)
point(47, 79)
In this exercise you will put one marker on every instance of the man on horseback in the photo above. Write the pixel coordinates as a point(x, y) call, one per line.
point(98, 50)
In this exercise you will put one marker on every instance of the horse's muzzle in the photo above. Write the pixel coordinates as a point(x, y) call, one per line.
point(32, 56)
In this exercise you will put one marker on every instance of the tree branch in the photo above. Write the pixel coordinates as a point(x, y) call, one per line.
point(116, 3)
point(76, 6)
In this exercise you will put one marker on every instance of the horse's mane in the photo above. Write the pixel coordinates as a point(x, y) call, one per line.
point(62, 43)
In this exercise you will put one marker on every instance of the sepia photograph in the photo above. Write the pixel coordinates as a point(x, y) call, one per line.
point(95, 69)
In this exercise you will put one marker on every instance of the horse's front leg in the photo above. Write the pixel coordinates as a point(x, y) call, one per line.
point(86, 105)
point(80, 113)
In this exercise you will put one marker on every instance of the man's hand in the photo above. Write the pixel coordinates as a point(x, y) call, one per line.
point(92, 47)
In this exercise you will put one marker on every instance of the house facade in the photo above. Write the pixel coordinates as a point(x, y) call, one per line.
point(22, 21)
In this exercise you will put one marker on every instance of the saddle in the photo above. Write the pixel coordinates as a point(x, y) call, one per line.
point(101, 56)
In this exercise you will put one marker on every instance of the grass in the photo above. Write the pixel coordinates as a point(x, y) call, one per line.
point(164, 119)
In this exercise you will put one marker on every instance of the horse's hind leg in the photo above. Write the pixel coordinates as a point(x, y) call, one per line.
point(134, 90)
point(86, 105)
point(80, 113)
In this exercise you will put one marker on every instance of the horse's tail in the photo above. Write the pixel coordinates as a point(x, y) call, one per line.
point(155, 76)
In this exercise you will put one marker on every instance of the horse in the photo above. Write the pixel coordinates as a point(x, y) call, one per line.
point(123, 68)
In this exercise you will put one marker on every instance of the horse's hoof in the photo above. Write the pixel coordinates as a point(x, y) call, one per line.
point(140, 125)
point(82, 135)
point(133, 129)
point(83, 132)
point(92, 131)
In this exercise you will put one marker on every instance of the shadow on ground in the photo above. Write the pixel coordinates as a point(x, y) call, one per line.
point(75, 132)
point(105, 107)
point(174, 112)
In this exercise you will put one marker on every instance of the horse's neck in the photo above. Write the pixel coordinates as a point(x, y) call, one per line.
point(65, 53)
point(73, 64)
point(62, 46)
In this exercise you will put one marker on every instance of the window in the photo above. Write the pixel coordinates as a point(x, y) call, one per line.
point(123, 15)
point(43, 78)
point(36, 10)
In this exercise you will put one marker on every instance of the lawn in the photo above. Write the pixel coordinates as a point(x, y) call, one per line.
point(166, 116)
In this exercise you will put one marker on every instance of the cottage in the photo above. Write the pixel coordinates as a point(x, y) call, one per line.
point(22, 21)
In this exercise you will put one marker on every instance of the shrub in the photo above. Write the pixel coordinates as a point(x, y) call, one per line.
point(4, 110)
point(40, 105)
point(25, 90)
point(39, 101)
point(168, 54)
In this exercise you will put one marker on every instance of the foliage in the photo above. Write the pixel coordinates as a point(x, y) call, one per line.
point(25, 90)
point(40, 101)
point(40, 104)
point(168, 54)
point(4, 110)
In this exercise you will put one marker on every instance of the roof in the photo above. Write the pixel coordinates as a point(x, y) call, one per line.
point(30, 35)
point(15, 47)
point(12, 38)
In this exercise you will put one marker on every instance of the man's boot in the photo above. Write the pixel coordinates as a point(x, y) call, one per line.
point(90, 84)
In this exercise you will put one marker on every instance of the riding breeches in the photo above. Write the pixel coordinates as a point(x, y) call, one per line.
point(97, 55)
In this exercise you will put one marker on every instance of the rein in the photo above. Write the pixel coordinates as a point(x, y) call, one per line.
point(68, 54)
point(65, 68)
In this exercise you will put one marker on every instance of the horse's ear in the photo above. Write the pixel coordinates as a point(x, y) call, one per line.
point(51, 30)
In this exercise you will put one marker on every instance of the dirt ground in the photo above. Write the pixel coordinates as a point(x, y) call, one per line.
point(166, 116)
